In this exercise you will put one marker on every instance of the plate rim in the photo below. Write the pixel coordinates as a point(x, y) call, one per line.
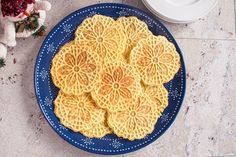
point(172, 17)
point(161, 17)
point(173, 41)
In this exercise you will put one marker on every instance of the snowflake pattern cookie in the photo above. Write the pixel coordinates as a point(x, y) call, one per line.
point(155, 59)
point(135, 30)
point(75, 69)
point(78, 112)
point(159, 95)
point(118, 87)
point(102, 34)
point(137, 121)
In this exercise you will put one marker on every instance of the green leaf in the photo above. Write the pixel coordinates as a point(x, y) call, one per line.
point(30, 23)
point(2, 62)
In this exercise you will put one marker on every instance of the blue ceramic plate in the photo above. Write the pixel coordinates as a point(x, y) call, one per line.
point(46, 92)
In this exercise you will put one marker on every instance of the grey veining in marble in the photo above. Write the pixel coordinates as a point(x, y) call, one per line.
point(205, 126)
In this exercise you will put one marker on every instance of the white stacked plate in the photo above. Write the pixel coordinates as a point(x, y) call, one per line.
point(180, 11)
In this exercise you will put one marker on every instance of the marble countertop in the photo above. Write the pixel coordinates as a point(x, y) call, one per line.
point(205, 126)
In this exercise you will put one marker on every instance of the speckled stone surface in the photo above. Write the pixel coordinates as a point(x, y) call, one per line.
point(205, 126)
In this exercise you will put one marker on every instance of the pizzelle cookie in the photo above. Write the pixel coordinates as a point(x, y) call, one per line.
point(135, 30)
point(135, 122)
point(98, 130)
point(155, 59)
point(75, 69)
point(159, 95)
point(78, 112)
point(117, 87)
point(103, 35)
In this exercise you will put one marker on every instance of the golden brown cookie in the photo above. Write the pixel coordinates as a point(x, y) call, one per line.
point(136, 121)
point(75, 69)
point(134, 30)
point(159, 95)
point(103, 35)
point(78, 112)
point(155, 59)
point(98, 130)
point(117, 87)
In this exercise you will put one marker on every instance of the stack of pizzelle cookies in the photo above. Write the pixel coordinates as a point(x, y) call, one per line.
point(111, 78)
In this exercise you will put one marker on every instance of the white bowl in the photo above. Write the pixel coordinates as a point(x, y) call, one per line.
point(181, 11)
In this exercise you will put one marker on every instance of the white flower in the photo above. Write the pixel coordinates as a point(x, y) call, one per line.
point(122, 13)
point(149, 22)
point(92, 13)
point(87, 141)
point(50, 48)
point(116, 144)
point(67, 28)
point(48, 102)
point(174, 93)
point(43, 74)
point(164, 117)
